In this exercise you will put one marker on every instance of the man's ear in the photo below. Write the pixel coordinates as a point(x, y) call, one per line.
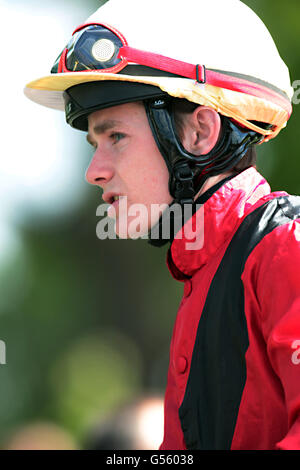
point(201, 130)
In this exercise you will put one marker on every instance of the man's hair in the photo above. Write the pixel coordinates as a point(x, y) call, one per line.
point(181, 107)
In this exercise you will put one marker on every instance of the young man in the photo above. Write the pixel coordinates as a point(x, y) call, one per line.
point(173, 109)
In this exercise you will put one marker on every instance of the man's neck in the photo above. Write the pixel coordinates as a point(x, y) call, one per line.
point(211, 182)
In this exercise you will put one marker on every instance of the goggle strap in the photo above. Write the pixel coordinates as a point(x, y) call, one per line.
point(203, 75)
point(157, 61)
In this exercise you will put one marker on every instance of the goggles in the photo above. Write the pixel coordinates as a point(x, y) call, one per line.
point(101, 48)
point(92, 47)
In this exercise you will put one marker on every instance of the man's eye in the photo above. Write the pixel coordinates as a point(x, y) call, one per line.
point(116, 137)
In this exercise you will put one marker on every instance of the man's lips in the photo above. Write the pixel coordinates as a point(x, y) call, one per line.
point(109, 197)
point(113, 209)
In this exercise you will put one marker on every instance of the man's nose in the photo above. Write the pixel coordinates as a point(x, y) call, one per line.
point(100, 170)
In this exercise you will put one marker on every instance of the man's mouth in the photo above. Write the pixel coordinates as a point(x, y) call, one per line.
point(115, 201)
point(110, 198)
point(113, 209)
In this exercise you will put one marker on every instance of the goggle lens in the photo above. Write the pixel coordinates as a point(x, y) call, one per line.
point(91, 48)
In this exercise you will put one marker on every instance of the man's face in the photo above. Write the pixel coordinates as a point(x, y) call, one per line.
point(127, 163)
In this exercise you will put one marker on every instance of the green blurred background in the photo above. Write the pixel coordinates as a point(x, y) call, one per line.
point(86, 323)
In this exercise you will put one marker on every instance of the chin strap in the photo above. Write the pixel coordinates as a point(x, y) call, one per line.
point(189, 172)
point(182, 183)
point(155, 234)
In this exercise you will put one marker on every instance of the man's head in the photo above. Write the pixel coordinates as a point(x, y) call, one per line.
point(126, 54)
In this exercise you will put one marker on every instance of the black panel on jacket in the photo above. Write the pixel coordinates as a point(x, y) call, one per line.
point(217, 376)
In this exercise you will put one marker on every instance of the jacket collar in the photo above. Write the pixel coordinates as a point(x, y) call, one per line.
point(214, 223)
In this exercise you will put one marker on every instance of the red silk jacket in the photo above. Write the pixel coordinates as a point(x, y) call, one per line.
point(234, 371)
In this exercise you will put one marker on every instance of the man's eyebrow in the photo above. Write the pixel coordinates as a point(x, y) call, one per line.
point(103, 127)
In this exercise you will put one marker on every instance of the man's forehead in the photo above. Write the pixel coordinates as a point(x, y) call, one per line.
point(117, 111)
point(108, 118)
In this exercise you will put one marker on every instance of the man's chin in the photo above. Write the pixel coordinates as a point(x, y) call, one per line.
point(131, 230)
